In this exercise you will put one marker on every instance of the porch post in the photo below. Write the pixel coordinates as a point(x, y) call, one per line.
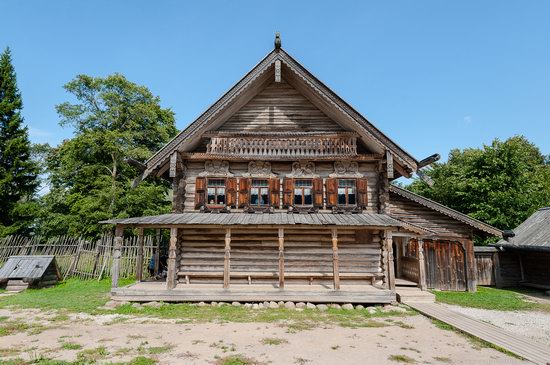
point(388, 237)
point(335, 260)
point(421, 266)
point(281, 258)
point(139, 261)
point(226, 258)
point(115, 269)
point(157, 253)
point(171, 276)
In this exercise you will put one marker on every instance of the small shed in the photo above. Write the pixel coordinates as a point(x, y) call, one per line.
point(525, 257)
point(21, 272)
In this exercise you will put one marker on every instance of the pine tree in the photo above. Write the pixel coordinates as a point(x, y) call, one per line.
point(18, 172)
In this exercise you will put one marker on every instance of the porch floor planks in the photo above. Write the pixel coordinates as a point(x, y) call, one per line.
point(522, 346)
point(317, 293)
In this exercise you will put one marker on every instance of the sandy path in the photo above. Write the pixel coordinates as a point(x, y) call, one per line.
point(204, 343)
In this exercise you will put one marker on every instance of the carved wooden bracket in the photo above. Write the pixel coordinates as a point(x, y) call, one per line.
point(346, 169)
point(216, 168)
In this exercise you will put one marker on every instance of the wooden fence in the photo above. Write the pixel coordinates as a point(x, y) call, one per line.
point(84, 258)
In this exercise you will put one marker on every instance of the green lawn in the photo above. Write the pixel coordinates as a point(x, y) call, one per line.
point(86, 296)
point(490, 298)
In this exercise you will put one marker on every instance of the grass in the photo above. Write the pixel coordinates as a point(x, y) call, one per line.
point(402, 358)
point(490, 298)
point(140, 360)
point(273, 341)
point(73, 295)
point(91, 356)
point(442, 359)
point(236, 360)
point(71, 346)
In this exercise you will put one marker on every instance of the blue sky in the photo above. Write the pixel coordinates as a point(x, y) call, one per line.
point(432, 75)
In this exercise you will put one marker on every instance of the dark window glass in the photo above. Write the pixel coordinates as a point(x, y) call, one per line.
point(346, 192)
point(303, 192)
point(259, 193)
point(215, 192)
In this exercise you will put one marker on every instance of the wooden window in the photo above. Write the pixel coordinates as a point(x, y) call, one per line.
point(303, 192)
point(347, 192)
point(215, 192)
point(259, 193)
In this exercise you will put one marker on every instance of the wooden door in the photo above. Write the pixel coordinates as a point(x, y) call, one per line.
point(445, 265)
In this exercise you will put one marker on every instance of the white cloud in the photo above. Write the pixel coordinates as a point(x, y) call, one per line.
point(467, 119)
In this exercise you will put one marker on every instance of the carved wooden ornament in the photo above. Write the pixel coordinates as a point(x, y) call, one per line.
point(259, 169)
point(346, 169)
point(303, 169)
point(216, 168)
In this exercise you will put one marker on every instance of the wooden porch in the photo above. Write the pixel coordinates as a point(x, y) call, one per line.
point(157, 291)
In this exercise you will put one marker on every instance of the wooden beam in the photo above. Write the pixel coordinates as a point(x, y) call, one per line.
point(391, 272)
point(115, 269)
point(171, 276)
point(520, 256)
point(139, 261)
point(278, 71)
point(496, 267)
point(471, 267)
point(157, 253)
point(421, 266)
point(227, 258)
point(389, 164)
point(281, 258)
point(173, 164)
point(335, 260)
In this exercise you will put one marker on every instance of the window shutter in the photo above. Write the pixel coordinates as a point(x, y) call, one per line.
point(288, 192)
point(318, 192)
point(200, 192)
point(274, 192)
point(332, 192)
point(362, 193)
point(231, 191)
point(244, 190)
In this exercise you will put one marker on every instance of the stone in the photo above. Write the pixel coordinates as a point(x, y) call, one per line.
point(273, 305)
point(281, 304)
point(255, 306)
point(248, 305)
point(221, 304)
point(266, 304)
point(322, 307)
point(236, 304)
point(548, 292)
point(214, 303)
point(399, 309)
point(348, 306)
point(152, 304)
point(111, 304)
point(290, 305)
point(136, 305)
point(335, 306)
point(261, 305)
point(359, 307)
point(310, 306)
point(300, 305)
point(201, 304)
point(372, 310)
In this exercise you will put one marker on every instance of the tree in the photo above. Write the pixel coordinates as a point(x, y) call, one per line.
point(18, 172)
point(501, 184)
point(113, 119)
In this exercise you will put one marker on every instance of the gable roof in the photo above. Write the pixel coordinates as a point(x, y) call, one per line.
point(446, 211)
point(252, 83)
point(26, 267)
point(533, 233)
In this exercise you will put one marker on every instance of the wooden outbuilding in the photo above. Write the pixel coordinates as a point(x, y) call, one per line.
point(524, 257)
point(283, 191)
point(21, 272)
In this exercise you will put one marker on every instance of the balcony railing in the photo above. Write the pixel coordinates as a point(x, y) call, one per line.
point(280, 146)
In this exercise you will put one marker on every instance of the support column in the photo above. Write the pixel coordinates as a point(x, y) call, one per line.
point(171, 276)
point(139, 261)
point(421, 266)
point(281, 258)
point(115, 269)
point(226, 259)
point(335, 260)
point(157, 253)
point(388, 237)
point(496, 267)
point(471, 267)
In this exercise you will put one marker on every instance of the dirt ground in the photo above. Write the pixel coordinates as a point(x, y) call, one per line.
point(114, 338)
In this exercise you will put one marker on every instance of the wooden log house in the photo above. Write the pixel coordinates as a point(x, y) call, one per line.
point(282, 191)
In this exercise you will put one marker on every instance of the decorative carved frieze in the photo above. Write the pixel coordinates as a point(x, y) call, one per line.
point(216, 168)
point(259, 169)
point(346, 169)
point(304, 169)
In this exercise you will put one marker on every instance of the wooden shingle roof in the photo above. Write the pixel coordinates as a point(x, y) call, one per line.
point(25, 267)
point(533, 233)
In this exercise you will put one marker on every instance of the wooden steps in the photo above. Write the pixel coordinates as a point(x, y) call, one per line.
point(16, 286)
point(408, 294)
point(519, 345)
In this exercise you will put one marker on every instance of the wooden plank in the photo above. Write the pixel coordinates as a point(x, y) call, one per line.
point(335, 260)
point(139, 261)
point(226, 258)
point(389, 244)
point(171, 275)
point(281, 257)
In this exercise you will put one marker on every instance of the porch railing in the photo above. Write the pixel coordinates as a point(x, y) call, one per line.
point(410, 269)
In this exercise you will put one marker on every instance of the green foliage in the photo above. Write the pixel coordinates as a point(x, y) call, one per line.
point(113, 119)
point(18, 172)
point(500, 184)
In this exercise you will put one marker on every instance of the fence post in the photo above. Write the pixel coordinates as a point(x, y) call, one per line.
point(139, 261)
point(157, 253)
point(115, 272)
point(75, 260)
point(96, 259)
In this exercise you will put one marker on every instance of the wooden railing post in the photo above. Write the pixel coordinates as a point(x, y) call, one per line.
point(171, 275)
point(335, 260)
point(226, 258)
point(389, 246)
point(115, 271)
point(139, 261)
point(157, 253)
point(421, 266)
point(281, 258)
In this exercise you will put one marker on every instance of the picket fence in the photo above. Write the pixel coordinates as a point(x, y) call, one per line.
point(84, 258)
